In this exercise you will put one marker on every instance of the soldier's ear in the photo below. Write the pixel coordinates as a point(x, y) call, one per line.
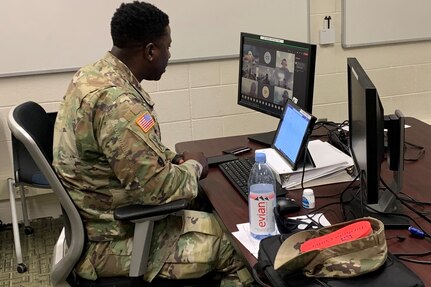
point(149, 51)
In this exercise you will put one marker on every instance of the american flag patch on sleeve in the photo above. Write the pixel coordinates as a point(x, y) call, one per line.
point(145, 122)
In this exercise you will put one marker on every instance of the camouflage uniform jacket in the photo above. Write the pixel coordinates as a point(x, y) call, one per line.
point(108, 153)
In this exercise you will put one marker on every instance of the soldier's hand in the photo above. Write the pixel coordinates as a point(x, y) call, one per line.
point(199, 157)
point(178, 159)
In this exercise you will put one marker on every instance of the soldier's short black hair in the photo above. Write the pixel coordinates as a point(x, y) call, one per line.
point(137, 23)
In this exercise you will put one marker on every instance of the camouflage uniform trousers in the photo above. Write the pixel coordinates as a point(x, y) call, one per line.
point(198, 248)
point(202, 248)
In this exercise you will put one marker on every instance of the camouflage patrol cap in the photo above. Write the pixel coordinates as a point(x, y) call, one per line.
point(344, 260)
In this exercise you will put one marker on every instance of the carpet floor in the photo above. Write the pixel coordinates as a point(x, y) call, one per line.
point(37, 251)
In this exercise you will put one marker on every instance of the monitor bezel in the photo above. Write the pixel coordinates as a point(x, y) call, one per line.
point(308, 106)
point(368, 164)
point(300, 156)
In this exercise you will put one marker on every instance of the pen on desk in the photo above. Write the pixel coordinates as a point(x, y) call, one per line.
point(417, 232)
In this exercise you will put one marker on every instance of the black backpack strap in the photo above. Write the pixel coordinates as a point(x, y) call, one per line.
point(263, 270)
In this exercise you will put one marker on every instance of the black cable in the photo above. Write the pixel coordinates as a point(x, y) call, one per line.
point(414, 201)
point(402, 238)
point(314, 211)
point(322, 210)
point(414, 145)
point(325, 207)
point(322, 207)
point(329, 126)
point(415, 261)
point(303, 165)
point(332, 203)
point(409, 207)
point(402, 256)
point(343, 203)
point(308, 215)
point(413, 254)
point(324, 124)
point(337, 127)
point(411, 200)
point(339, 193)
point(385, 213)
point(395, 214)
point(399, 237)
point(420, 153)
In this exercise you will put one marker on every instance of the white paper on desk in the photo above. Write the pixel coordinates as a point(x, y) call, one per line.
point(327, 158)
point(243, 234)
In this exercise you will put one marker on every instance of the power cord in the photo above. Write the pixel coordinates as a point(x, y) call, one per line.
point(339, 193)
point(325, 207)
point(402, 256)
point(399, 237)
point(419, 155)
point(409, 207)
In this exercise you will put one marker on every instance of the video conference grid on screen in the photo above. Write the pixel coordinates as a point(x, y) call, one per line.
point(270, 73)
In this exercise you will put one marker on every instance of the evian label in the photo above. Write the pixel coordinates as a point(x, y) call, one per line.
point(261, 208)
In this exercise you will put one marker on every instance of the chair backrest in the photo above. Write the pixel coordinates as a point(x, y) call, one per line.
point(26, 171)
point(34, 128)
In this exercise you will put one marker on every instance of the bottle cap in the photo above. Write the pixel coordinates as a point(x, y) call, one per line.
point(260, 157)
point(308, 191)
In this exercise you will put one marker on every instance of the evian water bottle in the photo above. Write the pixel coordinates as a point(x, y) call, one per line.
point(261, 198)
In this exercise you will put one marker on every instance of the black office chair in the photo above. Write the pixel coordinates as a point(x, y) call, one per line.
point(26, 173)
point(31, 125)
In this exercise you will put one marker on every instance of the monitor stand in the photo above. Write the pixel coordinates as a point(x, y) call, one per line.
point(356, 208)
point(266, 138)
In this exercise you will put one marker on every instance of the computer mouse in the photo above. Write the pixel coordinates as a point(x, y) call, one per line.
point(287, 206)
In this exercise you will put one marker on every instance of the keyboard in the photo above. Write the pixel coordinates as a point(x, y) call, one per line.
point(237, 172)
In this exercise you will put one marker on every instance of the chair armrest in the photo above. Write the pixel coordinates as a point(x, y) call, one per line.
point(143, 216)
point(139, 211)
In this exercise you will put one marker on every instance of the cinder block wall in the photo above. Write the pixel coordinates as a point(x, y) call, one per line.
point(197, 100)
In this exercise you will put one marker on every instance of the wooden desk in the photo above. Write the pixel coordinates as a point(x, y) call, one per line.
point(231, 208)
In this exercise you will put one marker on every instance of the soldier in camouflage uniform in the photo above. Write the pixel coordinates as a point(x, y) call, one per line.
point(108, 153)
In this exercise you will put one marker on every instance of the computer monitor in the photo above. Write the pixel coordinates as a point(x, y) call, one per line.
point(367, 124)
point(272, 70)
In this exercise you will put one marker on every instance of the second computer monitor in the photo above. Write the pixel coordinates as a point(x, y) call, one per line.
point(367, 145)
